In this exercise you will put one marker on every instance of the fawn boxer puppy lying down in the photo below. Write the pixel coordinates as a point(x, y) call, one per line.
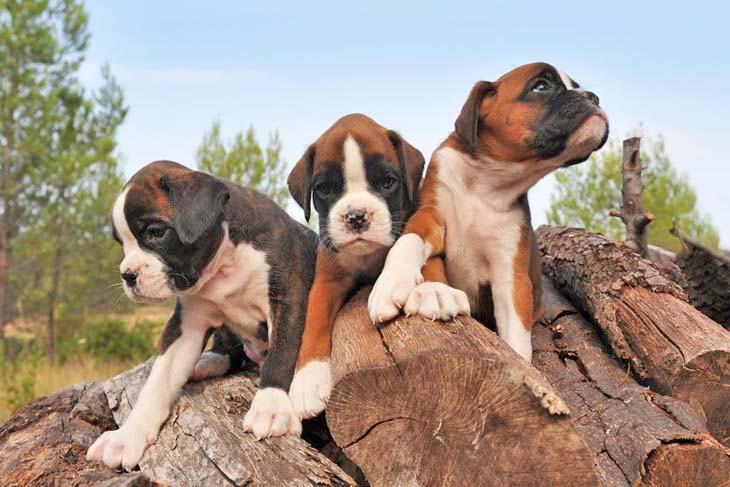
point(473, 213)
point(230, 256)
point(364, 180)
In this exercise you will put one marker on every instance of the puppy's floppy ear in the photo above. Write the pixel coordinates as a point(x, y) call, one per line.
point(411, 165)
point(467, 123)
point(197, 200)
point(300, 181)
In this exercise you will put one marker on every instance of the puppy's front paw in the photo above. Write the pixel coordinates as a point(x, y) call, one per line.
point(310, 389)
point(271, 414)
point(391, 292)
point(437, 301)
point(211, 364)
point(123, 447)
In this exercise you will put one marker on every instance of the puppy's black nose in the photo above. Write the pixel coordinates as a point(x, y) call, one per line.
point(130, 278)
point(357, 220)
point(592, 97)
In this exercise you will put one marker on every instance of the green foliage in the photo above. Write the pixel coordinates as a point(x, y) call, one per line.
point(58, 145)
point(585, 193)
point(244, 161)
point(108, 338)
point(17, 375)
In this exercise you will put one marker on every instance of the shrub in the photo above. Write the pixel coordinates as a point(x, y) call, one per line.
point(108, 338)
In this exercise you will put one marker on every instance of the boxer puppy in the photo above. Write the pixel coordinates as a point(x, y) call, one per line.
point(473, 213)
point(364, 180)
point(230, 256)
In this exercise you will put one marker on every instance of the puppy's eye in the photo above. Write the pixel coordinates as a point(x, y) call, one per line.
point(389, 183)
point(540, 86)
point(155, 231)
point(323, 190)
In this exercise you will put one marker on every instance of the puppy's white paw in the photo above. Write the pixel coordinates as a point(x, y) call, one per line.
point(391, 292)
point(401, 273)
point(437, 301)
point(310, 389)
point(123, 447)
point(211, 364)
point(271, 414)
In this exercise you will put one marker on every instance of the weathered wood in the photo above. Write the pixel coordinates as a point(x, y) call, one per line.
point(632, 210)
point(707, 275)
point(636, 436)
point(417, 402)
point(645, 319)
point(44, 443)
point(202, 442)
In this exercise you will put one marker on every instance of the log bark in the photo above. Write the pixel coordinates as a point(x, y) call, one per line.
point(632, 210)
point(636, 436)
point(707, 275)
point(645, 318)
point(417, 402)
point(202, 442)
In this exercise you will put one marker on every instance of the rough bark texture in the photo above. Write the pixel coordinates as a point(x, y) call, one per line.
point(636, 436)
point(632, 209)
point(707, 276)
point(202, 442)
point(44, 443)
point(645, 319)
point(418, 402)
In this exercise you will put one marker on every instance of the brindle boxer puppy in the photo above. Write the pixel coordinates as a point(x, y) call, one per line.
point(230, 256)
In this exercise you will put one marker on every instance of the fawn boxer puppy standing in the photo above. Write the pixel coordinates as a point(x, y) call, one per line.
point(231, 257)
point(363, 180)
point(473, 211)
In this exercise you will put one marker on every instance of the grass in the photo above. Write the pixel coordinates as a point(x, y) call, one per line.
point(95, 348)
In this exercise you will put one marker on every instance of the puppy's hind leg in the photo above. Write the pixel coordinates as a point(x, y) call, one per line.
point(225, 354)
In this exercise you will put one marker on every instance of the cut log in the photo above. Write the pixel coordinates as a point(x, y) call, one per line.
point(645, 318)
point(417, 402)
point(44, 443)
point(202, 442)
point(636, 436)
point(707, 275)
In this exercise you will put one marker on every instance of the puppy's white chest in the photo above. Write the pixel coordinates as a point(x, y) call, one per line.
point(480, 241)
point(240, 290)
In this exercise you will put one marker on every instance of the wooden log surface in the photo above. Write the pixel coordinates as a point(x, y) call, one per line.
point(707, 276)
point(636, 436)
point(417, 402)
point(202, 443)
point(645, 318)
point(45, 442)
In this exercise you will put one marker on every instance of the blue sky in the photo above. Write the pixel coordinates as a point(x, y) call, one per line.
point(296, 67)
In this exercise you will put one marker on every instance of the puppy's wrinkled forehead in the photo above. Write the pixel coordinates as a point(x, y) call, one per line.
point(145, 195)
point(336, 144)
point(513, 83)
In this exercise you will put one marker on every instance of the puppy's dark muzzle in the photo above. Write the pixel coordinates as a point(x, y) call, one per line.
point(357, 220)
point(592, 97)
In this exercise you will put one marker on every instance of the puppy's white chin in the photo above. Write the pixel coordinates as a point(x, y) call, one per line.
point(144, 299)
point(586, 138)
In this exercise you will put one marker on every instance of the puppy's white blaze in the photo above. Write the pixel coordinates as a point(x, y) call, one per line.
point(311, 388)
point(271, 414)
point(355, 179)
point(565, 79)
point(356, 196)
point(152, 280)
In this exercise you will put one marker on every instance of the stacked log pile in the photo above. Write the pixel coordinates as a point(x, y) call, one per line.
point(629, 385)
